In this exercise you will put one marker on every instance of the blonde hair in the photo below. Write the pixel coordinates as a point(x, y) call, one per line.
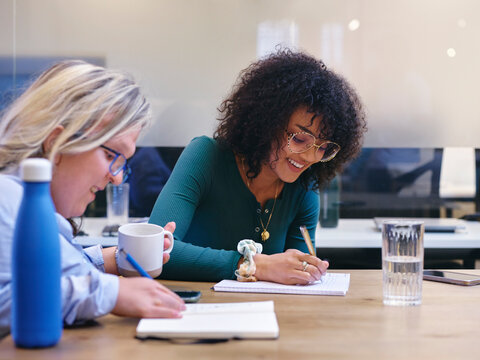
point(91, 103)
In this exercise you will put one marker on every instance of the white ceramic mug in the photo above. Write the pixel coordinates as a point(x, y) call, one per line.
point(144, 242)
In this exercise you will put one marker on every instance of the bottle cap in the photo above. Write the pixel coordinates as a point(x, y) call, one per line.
point(36, 169)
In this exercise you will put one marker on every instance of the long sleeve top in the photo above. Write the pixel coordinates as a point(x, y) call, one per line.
point(214, 210)
point(87, 292)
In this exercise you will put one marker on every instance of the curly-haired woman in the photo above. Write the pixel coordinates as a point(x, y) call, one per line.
point(288, 127)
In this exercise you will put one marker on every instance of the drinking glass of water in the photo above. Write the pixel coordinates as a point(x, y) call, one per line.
point(117, 204)
point(402, 262)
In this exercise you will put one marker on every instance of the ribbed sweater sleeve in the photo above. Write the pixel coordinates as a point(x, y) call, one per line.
point(307, 215)
point(189, 183)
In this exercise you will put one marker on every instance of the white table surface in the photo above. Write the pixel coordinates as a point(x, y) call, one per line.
point(362, 233)
point(93, 228)
point(350, 233)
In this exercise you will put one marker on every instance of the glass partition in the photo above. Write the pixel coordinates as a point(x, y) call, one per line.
point(413, 62)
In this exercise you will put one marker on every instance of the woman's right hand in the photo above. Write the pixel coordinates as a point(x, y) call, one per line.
point(146, 298)
point(287, 267)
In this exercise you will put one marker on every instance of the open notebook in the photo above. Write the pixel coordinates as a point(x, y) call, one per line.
point(244, 320)
point(331, 284)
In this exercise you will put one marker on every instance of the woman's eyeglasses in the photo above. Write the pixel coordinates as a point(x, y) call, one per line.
point(300, 142)
point(118, 164)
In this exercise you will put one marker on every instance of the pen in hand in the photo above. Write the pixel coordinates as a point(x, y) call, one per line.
point(136, 265)
point(308, 241)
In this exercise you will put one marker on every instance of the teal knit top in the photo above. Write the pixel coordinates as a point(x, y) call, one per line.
point(214, 209)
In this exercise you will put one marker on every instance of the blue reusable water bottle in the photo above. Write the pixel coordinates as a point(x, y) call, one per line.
point(36, 271)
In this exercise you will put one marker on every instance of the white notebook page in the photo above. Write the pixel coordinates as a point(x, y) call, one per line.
point(240, 307)
point(330, 284)
point(216, 321)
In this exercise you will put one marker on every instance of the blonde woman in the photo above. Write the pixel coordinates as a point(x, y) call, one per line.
point(85, 119)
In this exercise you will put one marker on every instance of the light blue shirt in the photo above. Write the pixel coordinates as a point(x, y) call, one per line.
point(87, 291)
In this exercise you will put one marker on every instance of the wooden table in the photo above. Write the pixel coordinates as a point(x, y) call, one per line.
point(356, 326)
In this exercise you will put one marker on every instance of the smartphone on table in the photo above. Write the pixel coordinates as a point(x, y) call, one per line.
point(451, 277)
point(189, 296)
point(110, 230)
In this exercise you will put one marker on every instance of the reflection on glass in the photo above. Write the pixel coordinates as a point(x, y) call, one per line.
point(17, 73)
point(451, 52)
point(272, 33)
point(353, 25)
point(332, 44)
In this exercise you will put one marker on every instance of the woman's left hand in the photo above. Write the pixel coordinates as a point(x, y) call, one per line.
point(290, 267)
point(166, 243)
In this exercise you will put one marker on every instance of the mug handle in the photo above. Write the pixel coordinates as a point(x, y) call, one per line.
point(170, 236)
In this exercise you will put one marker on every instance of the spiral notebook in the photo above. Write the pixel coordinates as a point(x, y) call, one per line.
point(330, 284)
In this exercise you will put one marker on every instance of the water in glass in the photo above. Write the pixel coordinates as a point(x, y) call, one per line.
point(402, 257)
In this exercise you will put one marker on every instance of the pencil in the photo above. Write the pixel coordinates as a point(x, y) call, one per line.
point(308, 241)
point(135, 264)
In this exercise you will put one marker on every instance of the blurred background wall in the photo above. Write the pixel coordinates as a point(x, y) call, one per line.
point(414, 62)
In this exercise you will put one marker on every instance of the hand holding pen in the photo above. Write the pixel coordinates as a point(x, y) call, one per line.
point(308, 240)
point(311, 250)
point(290, 267)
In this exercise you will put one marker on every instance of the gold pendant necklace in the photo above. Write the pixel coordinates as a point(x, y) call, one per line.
point(265, 235)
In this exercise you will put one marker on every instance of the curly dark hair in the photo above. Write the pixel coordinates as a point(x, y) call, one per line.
point(257, 112)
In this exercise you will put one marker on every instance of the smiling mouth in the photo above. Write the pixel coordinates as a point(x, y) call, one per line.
point(296, 164)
